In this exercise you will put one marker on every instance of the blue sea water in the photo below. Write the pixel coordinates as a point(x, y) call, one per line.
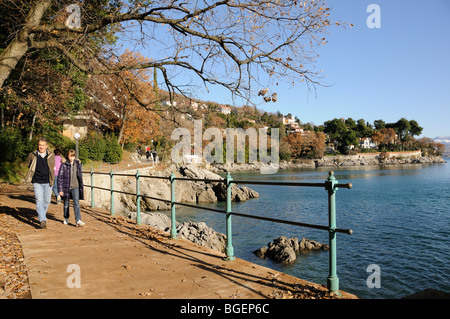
point(400, 216)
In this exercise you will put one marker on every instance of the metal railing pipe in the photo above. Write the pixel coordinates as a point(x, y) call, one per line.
point(112, 192)
point(92, 188)
point(138, 199)
point(229, 248)
point(173, 228)
point(332, 280)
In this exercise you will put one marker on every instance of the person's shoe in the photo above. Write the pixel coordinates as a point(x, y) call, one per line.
point(43, 224)
point(80, 223)
point(66, 221)
point(58, 200)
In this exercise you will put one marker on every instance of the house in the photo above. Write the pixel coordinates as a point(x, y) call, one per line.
point(288, 120)
point(294, 129)
point(367, 143)
point(80, 123)
point(330, 147)
point(224, 109)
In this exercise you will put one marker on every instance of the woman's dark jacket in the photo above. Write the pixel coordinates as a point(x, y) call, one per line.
point(64, 179)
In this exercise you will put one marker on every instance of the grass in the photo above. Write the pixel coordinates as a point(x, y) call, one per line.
point(13, 172)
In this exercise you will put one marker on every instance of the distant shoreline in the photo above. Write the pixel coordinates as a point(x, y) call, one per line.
point(361, 159)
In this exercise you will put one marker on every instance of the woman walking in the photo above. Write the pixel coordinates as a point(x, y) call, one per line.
point(57, 166)
point(70, 186)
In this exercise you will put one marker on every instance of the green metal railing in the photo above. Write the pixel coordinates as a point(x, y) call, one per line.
point(331, 185)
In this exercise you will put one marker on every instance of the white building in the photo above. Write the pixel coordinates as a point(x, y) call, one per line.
point(224, 109)
point(366, 142)
point(287, 120)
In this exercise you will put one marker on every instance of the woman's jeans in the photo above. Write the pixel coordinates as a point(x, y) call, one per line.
point(75, 192)
point(43, 195)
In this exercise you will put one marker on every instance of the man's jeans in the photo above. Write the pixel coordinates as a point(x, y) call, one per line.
point(55, 186)
point(43, 195)
point(76, 204)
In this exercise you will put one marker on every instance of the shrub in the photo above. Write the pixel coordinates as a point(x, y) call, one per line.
point(113, 151)
point(95, 147)
point(13, 145)
point(92, 147)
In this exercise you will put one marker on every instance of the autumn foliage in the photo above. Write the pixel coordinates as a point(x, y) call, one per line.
point(307, 144)
point(118, 96)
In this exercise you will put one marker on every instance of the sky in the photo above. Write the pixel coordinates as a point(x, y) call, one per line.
point(401, 69)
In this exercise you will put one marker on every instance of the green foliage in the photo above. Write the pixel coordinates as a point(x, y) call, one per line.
point(346, 132)
point(59, 141)
point(12, 172)
point(113, 151)
point(92, 147)
point(13, 145)
point(95, 147)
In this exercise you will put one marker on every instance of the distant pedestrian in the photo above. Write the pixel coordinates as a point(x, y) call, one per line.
point(41, 174)
point(154, 155)
point(70, 186)
point(147, 153)
point(55, 184)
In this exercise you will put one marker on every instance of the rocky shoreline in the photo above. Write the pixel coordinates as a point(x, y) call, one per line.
point(333, 161)
point(152, 189)
point(196, 232)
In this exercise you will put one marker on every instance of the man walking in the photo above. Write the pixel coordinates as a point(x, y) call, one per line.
point(41, 174)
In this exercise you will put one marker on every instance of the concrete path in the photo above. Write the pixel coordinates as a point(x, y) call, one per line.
point(112, 257)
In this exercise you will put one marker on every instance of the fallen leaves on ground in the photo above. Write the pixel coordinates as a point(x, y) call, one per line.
point(13, 272)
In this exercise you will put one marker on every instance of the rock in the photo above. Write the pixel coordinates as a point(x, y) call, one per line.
point(200, 234)
point(284, 250)
point(281, 250)
point(197, 232)
point(207, 195)
point(261, 252)
point(307, 244)
point(237, 194)
point(193, 171)
point(157, 220)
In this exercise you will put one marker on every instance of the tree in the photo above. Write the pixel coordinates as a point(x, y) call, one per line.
point(255, 43)
point(115, 102)
point(402, 127)
point(296, 144)
point(384, 137)
point(363, 129)
point(350, 123)
point(415, 129)
point(334, 128)
point(308, 144)
point(379, 124)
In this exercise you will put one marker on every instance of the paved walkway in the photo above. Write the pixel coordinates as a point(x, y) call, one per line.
point(115, 258)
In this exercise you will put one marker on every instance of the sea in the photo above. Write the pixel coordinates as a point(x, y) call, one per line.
point(400, 217)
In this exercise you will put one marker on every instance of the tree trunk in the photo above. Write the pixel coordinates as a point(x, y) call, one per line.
point(32, 127)
point(19, 46)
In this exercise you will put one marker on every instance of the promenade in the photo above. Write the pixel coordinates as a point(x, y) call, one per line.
point(115, 258)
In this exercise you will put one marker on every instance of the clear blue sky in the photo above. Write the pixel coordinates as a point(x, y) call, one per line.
point(399, 70)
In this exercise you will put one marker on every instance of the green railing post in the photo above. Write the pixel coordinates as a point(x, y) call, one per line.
point(229, 248)
point(92, 188)
point(112, 192)
point(138, 199)
point(332, 280)
point(173, 228)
